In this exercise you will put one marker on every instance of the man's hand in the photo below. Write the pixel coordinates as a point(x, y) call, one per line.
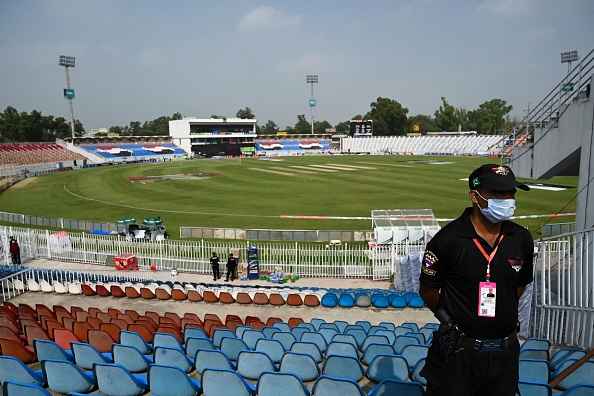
point(431, 297)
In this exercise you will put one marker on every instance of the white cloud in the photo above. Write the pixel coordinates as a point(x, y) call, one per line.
point(266, 18)
point(506, 7)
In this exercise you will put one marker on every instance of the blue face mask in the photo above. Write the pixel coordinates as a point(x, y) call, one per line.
point(498, 210)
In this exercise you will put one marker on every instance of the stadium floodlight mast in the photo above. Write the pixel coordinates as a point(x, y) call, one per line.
point(311, 79)
point(68, 62)
point(569, 57)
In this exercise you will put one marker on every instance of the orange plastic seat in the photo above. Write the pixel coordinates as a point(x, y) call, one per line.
point(178, 295)
point(194, 296)
point(35, 333)
point(51, 326)
point(209, 297)
point(311, 300)
point(225, 298)
point(131, 313)
point(44, 310)
point(68, 323)
point(64, 337)
point(25, 311)
point(214, 317)
point(8, 334)
point(102, 291)
point(131, 292)
point(121, 324)
point(87, 290)
point(93, 312)
point(244, 298)
point(81, 316)
point(81, 330)
point(260, 299)
point(170, 330)
point(173, 316)
point(94, 322)
point(192, 316)
point(146, 293)
point(272, 321)
point(155, 317)
point(61, 315)
point(112, 330)
point(113, 312)
point(294, 300)
point(233, 318)
point(104, 317)
point(14, 348)
point(162, 294)
point(100, 340)
point(294, 322)
point(10, 324)
point(117, 291)
point(142, 331)
point(276, 299)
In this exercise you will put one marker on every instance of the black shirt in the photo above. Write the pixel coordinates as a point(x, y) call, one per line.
point(214, 261)
point(454, 264)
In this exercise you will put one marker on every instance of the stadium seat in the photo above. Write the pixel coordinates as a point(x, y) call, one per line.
point(536, 344)
point(374, 339)
point(251, 337)
point(389, 334)
point(18, 350)
point(377, 349)
point(13, 388)
point(205, 360)
point(298, 332)
point(580, 390)
point(253, 364)
point(303, 366)
point(232, 347)
point(308, 348)
point(131, 359)
point(346, 300)
point(358, 334)
point(270, 383)
point(195, 344)
point(388, 326)
point(315, 338)
point(534, 354)
point(273, 349)
point(363, 300)
point(379, 300)
point(416, 373)
point(412, 326)
point(329, 300)
point(12, 369)
point(316, 323)
point(48, 350)
point(219, 334)
point(391, 387)
point(85, 356)
point(225, 382)
point(171, 381)
point(584, 375)
point(282, 326)
point(167, 341)
point(530, 389)
point(403, 341)
point(343, 367)
point(328, 334)
point(397, 301)
point(341, 349)
point(194, 332)
point(286, 339)
point(132, 339)
point(347, 338)
point(173, 357)
point(388, 367)
point(66, 377)
point(533, 371)
point(413, 354)
point(115, 380)
point(328, 386)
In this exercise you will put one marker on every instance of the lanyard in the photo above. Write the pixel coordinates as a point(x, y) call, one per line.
point(488, 257)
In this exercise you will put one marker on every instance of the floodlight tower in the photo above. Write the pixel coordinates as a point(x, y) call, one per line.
point(68, 62)
point(311, 79)
point(569, 57)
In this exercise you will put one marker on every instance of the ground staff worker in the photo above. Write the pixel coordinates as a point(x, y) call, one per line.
point(214, 263)
point(231, 267)
point(472, 276)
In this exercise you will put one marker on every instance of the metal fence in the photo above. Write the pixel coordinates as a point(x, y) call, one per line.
point(550, 230)
point(305, 259)
point(57, 222)
point(274, 235)
point(564, 289)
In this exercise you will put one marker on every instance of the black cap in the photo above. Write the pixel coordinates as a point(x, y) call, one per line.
point(493, 177)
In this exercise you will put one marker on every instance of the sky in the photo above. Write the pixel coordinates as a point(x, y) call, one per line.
point(140, 59)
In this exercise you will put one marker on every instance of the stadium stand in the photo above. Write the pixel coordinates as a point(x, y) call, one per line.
point(273, 147)
point(35, 153)
point(464, 144)
point(150, 349)
point(133, 151)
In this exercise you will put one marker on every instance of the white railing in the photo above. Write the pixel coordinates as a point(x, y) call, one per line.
point(564, 289)
point(304, 259)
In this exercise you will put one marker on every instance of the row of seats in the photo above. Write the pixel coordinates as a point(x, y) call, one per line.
point(311, 297)
point(25, 153)
point(115, 150)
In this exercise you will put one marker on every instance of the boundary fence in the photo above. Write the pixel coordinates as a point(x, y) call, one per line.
point(275, 235)
point(305, 259)
point(57, 222)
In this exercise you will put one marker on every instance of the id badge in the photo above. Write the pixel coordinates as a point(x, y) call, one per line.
point(487, 299)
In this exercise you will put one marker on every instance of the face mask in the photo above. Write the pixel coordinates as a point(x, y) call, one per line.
point(498, 210)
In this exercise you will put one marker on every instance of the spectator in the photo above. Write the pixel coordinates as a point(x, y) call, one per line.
point(15, 251)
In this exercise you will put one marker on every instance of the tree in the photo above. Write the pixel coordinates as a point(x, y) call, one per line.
point(302, 126)
point(445, 117)
point(321, 126)
point(18, 126)
point(490, 116)
point(389, 117)
point(343, 127)
point(79, 129)
point(424, 122)
point(245, 113)
point(115, 130)
point(269, 128)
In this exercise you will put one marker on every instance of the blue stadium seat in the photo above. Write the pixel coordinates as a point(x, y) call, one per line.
point(536, 344)
point(349, 339)
point(331, 326)
point(391, 387)
point(427, 333)
point(328, 334)
point(13, 388)
point(580, 390)
point(284, 327)
point(534, 371)
point(341, 325)
point(413, 354)
point(419, 336)
point(358, 334)
point(342, 349)
point(374, 329)
point(239, 330)
point(416, 373)
point(308, 348)
point(194, 344)
point(66, 377)
point(388, 367)
point(534, 354)
point(316, 323)
point(415, 301)
point(298, 332)
point(269, 332)
point(131, 359)
point(403, 341)
point(388, 326)
point(389, 334)
point(49, 350)
point(171, 381)
point(374, 339)
point(584, 375)
point(530, 389)
point(85, 356)
point(219, 334)
point(328, 386)
point(253, 364)
point(285, 338)
point(346, 300)
point(303, 366)
point(397, 301)
point(343, 367)
point(232, 347)
point(413, 326)
point(195, 332)
point(174, 358)
point(329, 300)
point(364, 324)
point(225, 382)
point(399, 331)
point(273, 349)
point(167, 341)
point(564, 354)
point(216, 360)
point(251, 337)
point(270, 383)
point(132, 339)
point(12, 369)
point(377, 349)
point(317, 339)
point(113, 379)
point(363, 300)
point(379, 300)
point(308, 326)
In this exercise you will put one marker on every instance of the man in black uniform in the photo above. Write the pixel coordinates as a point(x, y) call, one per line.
point(231, 267)
point(214, 263)
point(472, 276)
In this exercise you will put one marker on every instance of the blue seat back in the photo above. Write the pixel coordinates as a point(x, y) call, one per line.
point(416, 373)
point(130, 358)
point(536, 344)
point(388, 367)
point(224, 382)
point(273, 349)
point(316, 323)
point(391, 387)
point(65, 377)
point(414, 353)
point(374, 339)
point(12, 369)
point(298, 332)
point(534, 371)
point(49, 350)
point(253, 364)
point(270, 383)
point(167, 341)
point(315, 338)
point(403, 341)
point(308, 348)
point(85, 356)
point(239, 330)
point(232, 347)
point(285, 338)
point(173, 357)
point(269, 332)
point(377, 349)
point(132, 339)
point(251, 337)
point(328, 334)
point(216, 360)
point(534, 354)
point(358, 334)
point(11, 388)
point(388, 325)
point(389, 334)
point(584, 375)
point(328, 386)
point(342, 349)
point(219, 334)
point(346, 338)
point(413, 326)
point(284, 327)
point(343, 367)
point(171, 381)
point(364, 324)
point(303, 366)
point(307, 326)
point(530, 389)
point(115, 380)
point(194, 344)
point(341, 324)
point(194, 332)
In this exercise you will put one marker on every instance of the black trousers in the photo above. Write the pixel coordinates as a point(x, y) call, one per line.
point(16, 258)
point(472, 373)
point(231, 271)
point(216, 273)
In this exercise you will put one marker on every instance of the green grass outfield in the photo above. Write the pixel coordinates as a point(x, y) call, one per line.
point(250, 193)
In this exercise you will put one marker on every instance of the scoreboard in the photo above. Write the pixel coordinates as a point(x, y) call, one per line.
point(361, 127)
